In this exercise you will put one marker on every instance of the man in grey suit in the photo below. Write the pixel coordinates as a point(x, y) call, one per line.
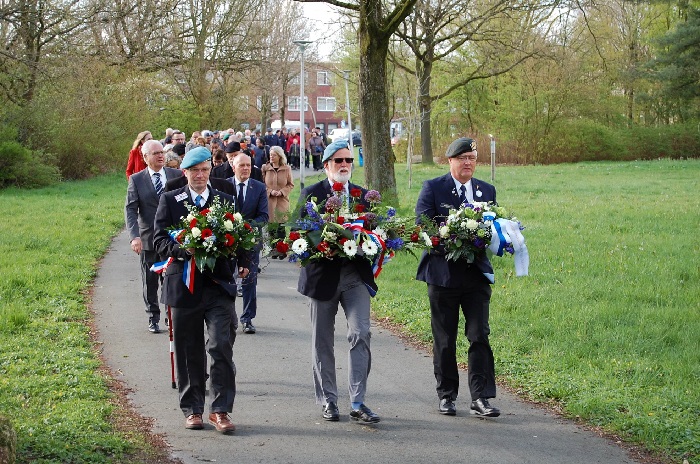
point(142, 197)
point(251, 202)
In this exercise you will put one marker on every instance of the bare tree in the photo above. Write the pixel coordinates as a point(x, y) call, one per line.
point(440, 29)
point(377, 22)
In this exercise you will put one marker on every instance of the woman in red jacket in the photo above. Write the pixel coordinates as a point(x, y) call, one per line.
point(136, 162)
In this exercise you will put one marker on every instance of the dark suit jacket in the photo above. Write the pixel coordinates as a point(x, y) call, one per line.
point(319, 279)
point(142, 203)
point(174, 292)
point(224, 171)
point(254, 207)
point(218, 184)
point(434, 201)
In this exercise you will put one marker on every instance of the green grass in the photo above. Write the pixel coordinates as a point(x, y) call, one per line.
point(606, 326)
point(50, 387)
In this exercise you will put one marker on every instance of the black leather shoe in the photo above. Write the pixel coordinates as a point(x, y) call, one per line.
point(153, 327)
point(330, 412)
point(447, 407)
point(364, 414)
point(481, 407)
point(248, 328)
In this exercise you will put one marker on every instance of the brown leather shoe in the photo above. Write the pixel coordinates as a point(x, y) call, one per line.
point(222, 422)
point(194, 422)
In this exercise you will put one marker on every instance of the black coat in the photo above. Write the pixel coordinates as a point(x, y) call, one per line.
point(319, 279)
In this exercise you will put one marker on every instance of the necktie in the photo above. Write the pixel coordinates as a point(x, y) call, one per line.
point(198, 201)
point(239, 199)
point(463, 195)
point(157, 183)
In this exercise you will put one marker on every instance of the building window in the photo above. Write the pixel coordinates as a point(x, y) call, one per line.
point(258, 103)
point(323, 78)
point(293, 103)
point(275, 105)
point(295, 78)
point(325, 103)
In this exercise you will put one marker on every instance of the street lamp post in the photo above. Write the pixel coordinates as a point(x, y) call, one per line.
point(346, 75)
point(493, 158)
point(302, 44)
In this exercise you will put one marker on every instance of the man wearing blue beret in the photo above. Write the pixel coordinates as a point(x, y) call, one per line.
point(211, 300)
point(329, 283)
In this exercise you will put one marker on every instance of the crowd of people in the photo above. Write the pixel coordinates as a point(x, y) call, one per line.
point(254, 172)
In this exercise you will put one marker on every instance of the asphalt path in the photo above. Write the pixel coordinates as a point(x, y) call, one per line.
point(275, 413)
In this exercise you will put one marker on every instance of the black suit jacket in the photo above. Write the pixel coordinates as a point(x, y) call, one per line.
point(434, 201)
point(218, 184)
point(174, 292)
point(254, 208)
point(224, 171)
point(319, 279)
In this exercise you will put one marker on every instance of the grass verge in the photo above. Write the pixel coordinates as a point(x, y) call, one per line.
point(51, 384)
point(606, 326)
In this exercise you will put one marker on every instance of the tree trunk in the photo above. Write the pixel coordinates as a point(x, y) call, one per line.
point(374, 105)
point(425, 104)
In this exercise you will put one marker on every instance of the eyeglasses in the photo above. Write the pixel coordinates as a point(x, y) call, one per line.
point(156, 153)
point(464, 158)
point(340, 160)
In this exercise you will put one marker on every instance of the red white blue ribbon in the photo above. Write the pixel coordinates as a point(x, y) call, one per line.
point(188, 274)
point(159, 267)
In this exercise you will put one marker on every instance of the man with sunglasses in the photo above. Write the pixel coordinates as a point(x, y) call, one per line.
point(332, 282)
point(452, 284)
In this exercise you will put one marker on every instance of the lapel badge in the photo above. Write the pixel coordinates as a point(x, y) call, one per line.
point(181, 197)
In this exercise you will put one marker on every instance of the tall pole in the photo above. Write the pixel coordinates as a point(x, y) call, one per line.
point(302, 133)
point(493, 158)
point(346, 75)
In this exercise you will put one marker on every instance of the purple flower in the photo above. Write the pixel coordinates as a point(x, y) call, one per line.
point(395, 243)
point(478, 243)
point(373, 196)
point(333, 204)
point(391, 212)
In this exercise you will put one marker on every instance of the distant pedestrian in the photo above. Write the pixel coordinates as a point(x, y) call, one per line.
point(136, 162)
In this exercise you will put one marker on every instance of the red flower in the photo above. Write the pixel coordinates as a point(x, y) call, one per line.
point(414, 237)
point(435, 241)
point(294, 235)
point(193, 223)
point(229, 216)
point(359, 208)
point(342, 240)
point(206, 233)
point(338, 187)
point(230, 240)
point(340, 220)
point(247, 226)
point(205, 211)
point(180, 237)
point(282, 247)
point(323, 246)
point(355, 193)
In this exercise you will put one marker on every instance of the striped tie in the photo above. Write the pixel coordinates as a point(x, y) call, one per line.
point(198, 201)
point(158, 184)
point(463, 195)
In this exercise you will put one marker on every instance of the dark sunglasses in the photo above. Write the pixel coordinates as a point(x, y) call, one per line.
point(340, 160)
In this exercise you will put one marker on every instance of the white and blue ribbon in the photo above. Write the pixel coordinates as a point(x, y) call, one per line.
point(504, 232)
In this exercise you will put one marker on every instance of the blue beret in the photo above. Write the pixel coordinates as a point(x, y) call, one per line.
point(195, 156)
point(333, 147)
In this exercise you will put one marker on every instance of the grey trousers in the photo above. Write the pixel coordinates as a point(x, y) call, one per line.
point(353, 296)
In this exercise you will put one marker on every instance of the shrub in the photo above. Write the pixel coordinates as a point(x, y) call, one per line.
point(22, 167)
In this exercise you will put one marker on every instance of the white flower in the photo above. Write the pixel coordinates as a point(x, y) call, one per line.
point(379, 231)
point(299, 246)
point(444, 231)
point(350, 248)
point(190, 217)
point(369, 248)
point(196, 232)
point(330, 236)
point(228, 225)
point(238, 216)
point(426, 239)
point(472, 224)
